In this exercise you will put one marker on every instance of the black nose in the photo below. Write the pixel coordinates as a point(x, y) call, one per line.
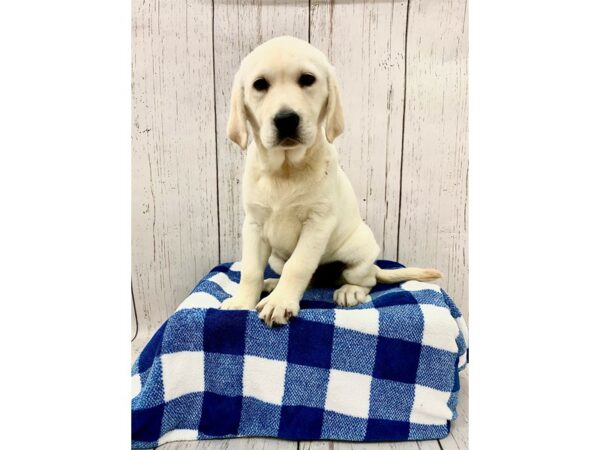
point(286, 123)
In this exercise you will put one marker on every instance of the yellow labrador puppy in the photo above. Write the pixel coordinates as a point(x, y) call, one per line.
point(301, 211)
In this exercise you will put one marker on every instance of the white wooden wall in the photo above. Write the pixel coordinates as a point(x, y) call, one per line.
point(402, 68)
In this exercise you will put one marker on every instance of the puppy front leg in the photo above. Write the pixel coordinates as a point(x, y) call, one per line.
point(284, 302)
point(255, 252)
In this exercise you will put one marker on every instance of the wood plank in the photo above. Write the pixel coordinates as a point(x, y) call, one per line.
point(242, 25)
point(365, 43)
point(336, 445)
point(315, 445)
point(232, 444)
point(134, 325)
point(409, 445)
point(433, 212)
point(138, 344)
point(429, 445)
point(174, 198)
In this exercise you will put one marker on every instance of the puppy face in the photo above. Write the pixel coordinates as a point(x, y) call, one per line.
point(286, 90)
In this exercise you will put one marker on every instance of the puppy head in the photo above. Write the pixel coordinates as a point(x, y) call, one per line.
point(286, 89)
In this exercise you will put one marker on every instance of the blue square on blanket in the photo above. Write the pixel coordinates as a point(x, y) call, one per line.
point(185, 331)
point(407, 326)
point(145, 423)
point(310, 343)
point(300, 422)
point(266, 342)
point(304, 385)
point(224, 331)
point(391, 400)
point(220, 415)
point(429, 297)
point(421, 432)
point(393, 298)
point(341, 426)
point(348, 351)
point(259, 418)
point(192, 404)
point(436, 368)
point(154, 392)
point(228, 381)
point(396, 360)
point(387, 430)
point(323, 316)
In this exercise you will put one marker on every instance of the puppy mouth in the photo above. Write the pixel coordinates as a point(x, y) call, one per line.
point(289, 142)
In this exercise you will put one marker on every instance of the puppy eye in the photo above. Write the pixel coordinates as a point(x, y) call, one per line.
point(306, 79)
point(261, 84)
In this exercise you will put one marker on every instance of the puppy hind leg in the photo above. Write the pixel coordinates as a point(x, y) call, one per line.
point(270, 284)
point(358, 281)
point(276, 264)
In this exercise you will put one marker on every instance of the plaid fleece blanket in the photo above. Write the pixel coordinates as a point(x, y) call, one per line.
point(384, 370)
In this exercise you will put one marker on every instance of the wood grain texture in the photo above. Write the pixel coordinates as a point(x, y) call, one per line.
point(137, 345)
point(410, 445)
point(133, 320)
point(365, 43)
point(315, 445)
point(232, 444)
point(174, 198)
point(333, 445)
point(433, 212)
point(429, 445)
point(241, 26)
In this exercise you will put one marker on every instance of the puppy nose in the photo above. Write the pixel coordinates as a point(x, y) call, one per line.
point(286, 123)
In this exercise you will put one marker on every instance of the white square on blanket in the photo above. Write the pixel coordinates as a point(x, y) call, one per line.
point(363, 320)
point(430, 406)
point(182, 373)
point(348, 393)
point(136, 385)
point(414, 285)
point(225, 283)
point(440, 329)
point(199, 300)
point(264, 379)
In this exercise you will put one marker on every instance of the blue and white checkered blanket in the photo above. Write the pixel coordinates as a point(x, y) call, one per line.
point(384, 370)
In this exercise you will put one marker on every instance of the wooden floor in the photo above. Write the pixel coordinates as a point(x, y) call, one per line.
point(457, 440)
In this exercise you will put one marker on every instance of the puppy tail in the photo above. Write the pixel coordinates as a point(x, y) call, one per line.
point(406, 274)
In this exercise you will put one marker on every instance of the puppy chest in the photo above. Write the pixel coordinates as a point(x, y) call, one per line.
point(282, 229)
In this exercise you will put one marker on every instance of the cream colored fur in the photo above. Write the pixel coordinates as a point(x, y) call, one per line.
point(300, 208)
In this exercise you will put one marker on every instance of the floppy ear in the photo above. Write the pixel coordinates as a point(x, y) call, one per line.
point(334, 117)
point(236, 126)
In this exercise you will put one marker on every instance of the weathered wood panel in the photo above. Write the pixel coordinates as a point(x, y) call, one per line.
point(409, 445)
point(233, 444)
point(174, 198)
point(241, 26)
point(365, 43)
point(133, 320)
point(433, 211)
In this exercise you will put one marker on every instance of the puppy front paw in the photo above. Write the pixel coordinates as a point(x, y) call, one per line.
point(275, 309)
point(238, 302)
